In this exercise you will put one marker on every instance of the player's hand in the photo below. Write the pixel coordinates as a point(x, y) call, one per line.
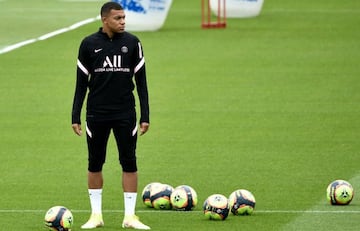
point(77, 129)
point(144, 127)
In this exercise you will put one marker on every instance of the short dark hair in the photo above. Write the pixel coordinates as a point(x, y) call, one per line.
point(107, 7)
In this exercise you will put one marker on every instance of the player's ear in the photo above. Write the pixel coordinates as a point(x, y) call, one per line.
point(103, 19)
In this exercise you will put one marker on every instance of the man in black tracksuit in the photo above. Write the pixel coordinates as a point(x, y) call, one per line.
point(107, 62)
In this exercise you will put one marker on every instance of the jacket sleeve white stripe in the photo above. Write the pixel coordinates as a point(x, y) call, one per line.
point(140, 50)
point(140, 65)
point(81, 66)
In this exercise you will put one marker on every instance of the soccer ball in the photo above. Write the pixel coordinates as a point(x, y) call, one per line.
point(160, 196)
point(183, 198)
point(146, 193)
point(339, 192)
point(242, 202)
point(216, 207)
point(59, 218)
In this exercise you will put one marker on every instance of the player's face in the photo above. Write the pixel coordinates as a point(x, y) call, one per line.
point(115, 21)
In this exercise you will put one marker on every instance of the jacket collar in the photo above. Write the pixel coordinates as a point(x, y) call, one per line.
point(116, 35)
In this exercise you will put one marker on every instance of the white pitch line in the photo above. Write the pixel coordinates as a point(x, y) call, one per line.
point(308, 211)
point(48, 35)
point(17, 45)
point(189, 212)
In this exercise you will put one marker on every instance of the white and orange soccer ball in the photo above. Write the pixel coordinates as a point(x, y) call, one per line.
point(147, 191)
point(59, 218)
point(216, 207)
point(160, 196)
point(242, 202)
point(183, 198)
point(339, 192)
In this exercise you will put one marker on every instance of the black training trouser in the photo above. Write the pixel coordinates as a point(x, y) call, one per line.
point(125, 133)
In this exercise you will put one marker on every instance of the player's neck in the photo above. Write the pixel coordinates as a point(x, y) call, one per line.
point(109, 33)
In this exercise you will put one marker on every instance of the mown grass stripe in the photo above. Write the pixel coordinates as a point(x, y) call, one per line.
point(306, 219)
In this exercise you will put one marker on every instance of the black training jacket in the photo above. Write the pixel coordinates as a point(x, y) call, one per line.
point(106, 67)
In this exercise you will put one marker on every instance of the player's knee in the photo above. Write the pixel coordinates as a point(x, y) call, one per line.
point(95, 166)
point(128, 165)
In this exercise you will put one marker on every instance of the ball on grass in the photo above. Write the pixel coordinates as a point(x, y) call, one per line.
point(339, 192)
point(216, 207)
point(183, 198)
point(242, 202)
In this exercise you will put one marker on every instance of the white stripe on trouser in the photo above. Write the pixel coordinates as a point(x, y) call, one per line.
point(88, 131)
point(135, 130)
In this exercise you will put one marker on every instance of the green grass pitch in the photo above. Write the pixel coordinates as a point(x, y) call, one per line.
point(269, 104)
